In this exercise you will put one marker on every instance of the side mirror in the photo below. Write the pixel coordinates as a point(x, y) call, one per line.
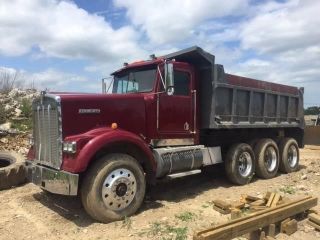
point(169, 78)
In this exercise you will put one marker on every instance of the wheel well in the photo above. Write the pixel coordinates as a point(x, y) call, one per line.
point(130, 149)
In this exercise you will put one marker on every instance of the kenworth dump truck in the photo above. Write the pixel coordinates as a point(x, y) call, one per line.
point(165, 115)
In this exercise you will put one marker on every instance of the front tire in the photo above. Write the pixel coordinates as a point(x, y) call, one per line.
point(267, 157)
point(113, 188)
point(289, 153)
point(240, 164)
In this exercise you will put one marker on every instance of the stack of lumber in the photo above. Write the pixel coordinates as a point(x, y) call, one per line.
point(268, 214)
point(249, 204)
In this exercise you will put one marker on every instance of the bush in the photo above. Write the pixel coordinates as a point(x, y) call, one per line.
point(26, 108)
point(9, 80)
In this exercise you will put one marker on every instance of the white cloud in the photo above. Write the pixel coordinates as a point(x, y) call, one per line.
point(61, 29)
point(283, 27)
point(166, 21)
point(276, 41)
point(52, 79)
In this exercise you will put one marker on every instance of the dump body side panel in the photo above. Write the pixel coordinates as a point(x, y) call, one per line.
point(241, 102)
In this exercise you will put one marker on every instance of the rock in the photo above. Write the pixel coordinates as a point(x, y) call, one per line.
point(4, 140)
point(23, 150)
point(85, 230)
point(5, 126)
point(317, 174)
point(304, 177)
point(17, 112)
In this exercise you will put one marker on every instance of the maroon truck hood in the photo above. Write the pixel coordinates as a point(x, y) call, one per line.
point(84, 112)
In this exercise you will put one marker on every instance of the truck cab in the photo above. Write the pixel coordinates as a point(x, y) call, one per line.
point(166, 115)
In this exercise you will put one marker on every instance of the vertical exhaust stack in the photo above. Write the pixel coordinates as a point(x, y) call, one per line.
point(104, 86)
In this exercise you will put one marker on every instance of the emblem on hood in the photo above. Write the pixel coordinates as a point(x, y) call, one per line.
point(89, 110)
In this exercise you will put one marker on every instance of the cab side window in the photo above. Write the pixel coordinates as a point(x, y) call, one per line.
point(181, 83)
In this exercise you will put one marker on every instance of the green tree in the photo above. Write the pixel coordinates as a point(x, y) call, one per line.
point(314, 110)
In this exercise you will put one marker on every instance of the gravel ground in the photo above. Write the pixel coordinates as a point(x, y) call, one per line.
point(173, 209)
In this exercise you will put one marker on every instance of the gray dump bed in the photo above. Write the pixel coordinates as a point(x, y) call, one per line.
point(230, 101)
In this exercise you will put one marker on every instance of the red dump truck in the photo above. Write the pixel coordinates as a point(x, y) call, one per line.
point(165, 115)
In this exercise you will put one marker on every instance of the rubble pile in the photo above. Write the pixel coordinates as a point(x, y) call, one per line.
point(12, 101)
point(15, 143)
point(13, 109)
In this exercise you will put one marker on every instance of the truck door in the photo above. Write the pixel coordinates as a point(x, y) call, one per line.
point(176, 111)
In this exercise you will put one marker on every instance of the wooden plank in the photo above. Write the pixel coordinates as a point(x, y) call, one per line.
point(316, 226)
point(257, 208)
point(275, 200)
point(221, 204)
point(314, 210)
point(271, 230)
point(290, 227)
point(236, 213)
point(251, 198)
point(221, 210)
point(270, 199)
point(259, 202)
point(314, 218)
point(262, 235)
point(267, 196)
point(283, 223)
point(241, 226)
point(237, 205)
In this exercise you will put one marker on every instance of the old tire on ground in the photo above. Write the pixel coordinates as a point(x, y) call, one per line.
point(267, 158)
point(289, 155)
point(113, 188)
point(12, 171)
point(240, 163)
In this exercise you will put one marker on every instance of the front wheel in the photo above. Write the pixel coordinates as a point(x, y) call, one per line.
point(240, 164)
point(113, 188)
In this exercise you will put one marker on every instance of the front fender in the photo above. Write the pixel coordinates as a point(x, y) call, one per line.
point(81, 161)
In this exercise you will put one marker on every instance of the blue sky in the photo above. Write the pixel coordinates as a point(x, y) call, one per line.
point(70, 45)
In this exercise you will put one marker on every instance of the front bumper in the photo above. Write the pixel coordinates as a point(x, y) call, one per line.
point(55, 181)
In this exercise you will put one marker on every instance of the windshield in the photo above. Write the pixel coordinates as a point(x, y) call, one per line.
point(134, 81)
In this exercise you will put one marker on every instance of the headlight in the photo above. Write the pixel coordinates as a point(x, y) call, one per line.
point(70, 147)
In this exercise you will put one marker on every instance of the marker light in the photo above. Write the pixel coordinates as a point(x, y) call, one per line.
point(114, 126)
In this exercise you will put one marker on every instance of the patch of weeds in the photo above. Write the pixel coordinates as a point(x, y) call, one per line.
point(2, 114)
point(204, 206)
point(180, 232)
point(126, 223)
point(245, 210)
point(287, 189)
point(156, 228)
point(165, 231)
point(185, 216)
point(22, 125)
point(26, 107)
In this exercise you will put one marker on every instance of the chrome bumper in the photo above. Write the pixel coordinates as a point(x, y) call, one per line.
point(55, 181)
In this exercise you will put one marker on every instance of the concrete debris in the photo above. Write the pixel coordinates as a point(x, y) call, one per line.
point(12, 101)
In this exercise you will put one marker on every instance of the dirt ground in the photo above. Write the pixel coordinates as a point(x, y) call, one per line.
point(173, 209)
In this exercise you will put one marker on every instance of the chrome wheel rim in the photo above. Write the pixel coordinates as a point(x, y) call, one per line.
point(292, 156)
point(119, 189)
point(270, 158)
point(245, 164)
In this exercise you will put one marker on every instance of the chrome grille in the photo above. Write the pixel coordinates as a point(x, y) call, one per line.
point(47, 131)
